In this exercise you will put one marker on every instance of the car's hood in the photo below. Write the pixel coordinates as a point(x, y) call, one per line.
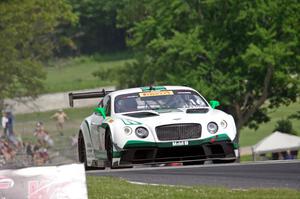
point(153, 118)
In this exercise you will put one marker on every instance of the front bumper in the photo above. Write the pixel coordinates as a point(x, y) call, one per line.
point(215, 148)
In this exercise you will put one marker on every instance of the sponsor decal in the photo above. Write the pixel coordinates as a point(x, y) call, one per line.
point(155, 93)
point(48, 189)
point(109, 120)
point(62, 182)
point(6, 183)
point(180, 143)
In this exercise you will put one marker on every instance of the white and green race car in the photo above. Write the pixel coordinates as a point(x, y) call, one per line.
point(154, 125)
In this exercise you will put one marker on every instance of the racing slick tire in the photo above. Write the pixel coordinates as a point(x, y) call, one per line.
point(194, 163)
point(82, 153)
point(109, 151)
point(109, 148)
point(223, 161)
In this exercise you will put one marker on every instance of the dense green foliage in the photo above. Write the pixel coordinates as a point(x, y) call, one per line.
point(285, 126)
point(96, 30)
point(243, 53)
point(27, 37)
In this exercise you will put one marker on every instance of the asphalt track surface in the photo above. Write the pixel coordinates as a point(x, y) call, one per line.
point(274, 174)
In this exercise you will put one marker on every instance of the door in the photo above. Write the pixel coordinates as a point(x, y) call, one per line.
point(97, 127)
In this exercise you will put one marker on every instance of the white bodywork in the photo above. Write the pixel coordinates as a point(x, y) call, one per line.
point(122, 127)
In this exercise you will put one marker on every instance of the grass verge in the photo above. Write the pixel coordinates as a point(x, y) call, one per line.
point(109, 187)
point(77, 73)
point(250, 136)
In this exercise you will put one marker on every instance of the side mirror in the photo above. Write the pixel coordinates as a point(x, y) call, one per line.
point(101, 111)
point(214, 103)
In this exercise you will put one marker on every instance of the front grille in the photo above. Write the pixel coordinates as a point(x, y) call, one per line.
point(178, 131)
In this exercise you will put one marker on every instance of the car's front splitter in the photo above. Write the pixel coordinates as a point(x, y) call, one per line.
point(178, 143)
point(217, 150)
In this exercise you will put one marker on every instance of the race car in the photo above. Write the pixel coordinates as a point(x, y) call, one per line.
point(154, 125)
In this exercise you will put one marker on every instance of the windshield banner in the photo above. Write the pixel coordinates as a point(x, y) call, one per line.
point(155, 93)
point(53, 182)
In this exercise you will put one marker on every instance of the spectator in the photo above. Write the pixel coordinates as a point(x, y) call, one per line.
point(60, 118)
point(42, 135)
point(74, 140)
point(39, 133)
point(7, 124)
point(10, 124)
point(4, 122)
point(48, 139)
point(7, 151)
point(29, 151)
point(294, 154)
point(40, 155)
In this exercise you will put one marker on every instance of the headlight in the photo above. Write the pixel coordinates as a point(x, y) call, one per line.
point(141, 132)
point(223, 124)
point(212, 127)
point(127, 130)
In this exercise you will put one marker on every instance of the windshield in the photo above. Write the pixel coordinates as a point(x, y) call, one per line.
point(158, 100)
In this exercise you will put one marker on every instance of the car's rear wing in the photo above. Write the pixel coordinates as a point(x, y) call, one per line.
point(86, 95)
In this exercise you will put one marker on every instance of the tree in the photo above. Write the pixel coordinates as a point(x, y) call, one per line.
point(244, 53)
point(27, 37)
point(285, 126)
point(97, 30)
point(295, 116)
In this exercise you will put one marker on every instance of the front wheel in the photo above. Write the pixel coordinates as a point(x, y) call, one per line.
point(81, 151)
point(109, 148)
point(82, 154)
point(224, 161)
point(194, 163)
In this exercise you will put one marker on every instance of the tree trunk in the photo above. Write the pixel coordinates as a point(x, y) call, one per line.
point(237, 140)
point(1, 104)
point(243, 114)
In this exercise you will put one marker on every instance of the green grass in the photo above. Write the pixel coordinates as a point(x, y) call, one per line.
point(250, 137)
point(108, 187)
point(77, 73)
point(246, 158)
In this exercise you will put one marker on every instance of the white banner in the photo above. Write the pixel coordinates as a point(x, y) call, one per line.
point(55, 182)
